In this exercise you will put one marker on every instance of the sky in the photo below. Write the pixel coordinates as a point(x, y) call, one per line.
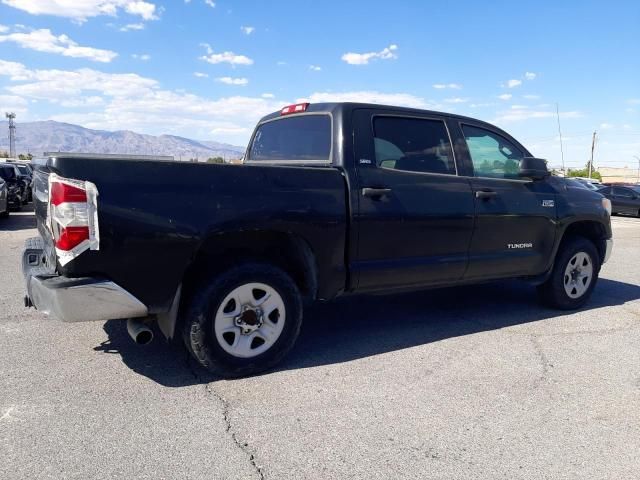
point(209, 69)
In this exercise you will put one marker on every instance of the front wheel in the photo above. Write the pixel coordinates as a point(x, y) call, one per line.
point(574, 275)
point(243, 321)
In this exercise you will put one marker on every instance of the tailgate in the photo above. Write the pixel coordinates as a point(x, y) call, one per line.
point(41, 206)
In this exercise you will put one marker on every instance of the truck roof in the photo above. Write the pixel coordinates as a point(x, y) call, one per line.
point(333, 107)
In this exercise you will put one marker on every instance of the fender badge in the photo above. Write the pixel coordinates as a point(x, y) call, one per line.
point(548, 203)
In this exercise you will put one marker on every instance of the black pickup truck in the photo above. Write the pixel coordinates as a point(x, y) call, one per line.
point(331, 199)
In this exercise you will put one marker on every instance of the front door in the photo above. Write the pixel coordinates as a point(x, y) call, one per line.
point(515, 227)
point(414, 213)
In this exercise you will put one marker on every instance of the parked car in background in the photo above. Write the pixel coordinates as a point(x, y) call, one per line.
point(4, 199)
point(26, 173)
point(15, 185)
point(625, 199)
point(588, 184)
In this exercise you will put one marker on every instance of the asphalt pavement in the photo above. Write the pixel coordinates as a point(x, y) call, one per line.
point(464, 383)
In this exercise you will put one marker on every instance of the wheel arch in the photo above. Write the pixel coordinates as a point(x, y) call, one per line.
point(220, 251)
point(592, 230)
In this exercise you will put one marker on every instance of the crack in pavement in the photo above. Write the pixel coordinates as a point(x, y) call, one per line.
point(244, 446)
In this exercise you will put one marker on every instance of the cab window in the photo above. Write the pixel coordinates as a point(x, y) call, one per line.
point(413, 145)
point(492, 155)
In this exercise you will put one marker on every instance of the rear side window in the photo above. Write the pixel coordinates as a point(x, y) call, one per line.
point(295, 138)
point(622, 192)
point(492, 155)
point(413, 144)
point(7, 172)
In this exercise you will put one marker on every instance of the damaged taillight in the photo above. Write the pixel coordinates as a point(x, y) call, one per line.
point(73, 217)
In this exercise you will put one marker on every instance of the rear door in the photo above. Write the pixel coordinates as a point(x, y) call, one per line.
point(515, 227)
point(415, 214)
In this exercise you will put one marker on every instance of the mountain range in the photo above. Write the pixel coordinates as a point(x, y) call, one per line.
point(50, 136)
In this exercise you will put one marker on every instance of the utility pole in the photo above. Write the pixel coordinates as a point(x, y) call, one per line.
point(638, 158)
point(560, 133)
point(593, 146)
point(12, 134)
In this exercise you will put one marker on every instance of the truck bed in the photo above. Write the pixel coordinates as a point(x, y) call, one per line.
point(154, 216)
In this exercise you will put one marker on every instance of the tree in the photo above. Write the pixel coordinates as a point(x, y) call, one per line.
point(4, 154)
point(28, 157)
point(584, 172)
point(215, 160)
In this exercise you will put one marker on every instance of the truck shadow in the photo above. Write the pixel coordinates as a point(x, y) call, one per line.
point(22, 220)
point(359, 327)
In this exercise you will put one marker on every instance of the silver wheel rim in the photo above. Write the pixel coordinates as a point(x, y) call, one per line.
point(249, 320)
point(578, 275)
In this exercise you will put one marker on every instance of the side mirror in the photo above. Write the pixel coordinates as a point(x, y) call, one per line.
point(533, 168)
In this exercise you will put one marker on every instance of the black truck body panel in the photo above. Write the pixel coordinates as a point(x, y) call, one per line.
point(427, 230)
point(154, 216)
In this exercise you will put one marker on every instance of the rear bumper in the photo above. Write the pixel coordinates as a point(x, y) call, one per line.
point(74, 299)
point(608, 249)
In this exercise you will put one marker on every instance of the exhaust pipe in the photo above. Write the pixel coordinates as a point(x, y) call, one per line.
point(139, 331)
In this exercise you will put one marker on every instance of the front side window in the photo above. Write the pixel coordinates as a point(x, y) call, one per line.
point(413, 144)
point(492, 155)
point(295, 138)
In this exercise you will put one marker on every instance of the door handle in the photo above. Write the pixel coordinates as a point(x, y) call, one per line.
point(375, 193)
point(486, 194)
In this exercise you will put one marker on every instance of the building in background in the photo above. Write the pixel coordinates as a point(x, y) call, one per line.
point(619, 175)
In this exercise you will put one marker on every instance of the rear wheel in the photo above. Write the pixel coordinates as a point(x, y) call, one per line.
point(243, 321)
point(574, 275)
point(5, 214)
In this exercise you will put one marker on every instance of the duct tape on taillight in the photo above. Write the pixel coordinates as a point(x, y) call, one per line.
point(72, 217)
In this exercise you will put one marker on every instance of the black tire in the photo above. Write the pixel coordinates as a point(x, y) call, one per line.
point(198, 329)
point(552, 292)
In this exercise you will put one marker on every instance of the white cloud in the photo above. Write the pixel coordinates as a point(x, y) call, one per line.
point(132, 26)
point(516, 114)
point(4, 28)
point(200, 75)
point(634, 101)
point(211, 3)
point(13, 103)
point(364, 58)
point(505, 96)
point(44, 41)
point(247, 30)
point(224, 57)
point(81, 10)
point(456, 100)
point(143, 56)
point(280, 63)
point(513, 83)
point(530, 75)
point(401, 99)
point(607, 126)
point(133, 102)
point(442, 86)
point(16, 71)
point(315, 68)
point(267, 95)
point(233, 81)
point(531, 97)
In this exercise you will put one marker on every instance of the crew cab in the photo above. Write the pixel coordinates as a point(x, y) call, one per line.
point(331, 199)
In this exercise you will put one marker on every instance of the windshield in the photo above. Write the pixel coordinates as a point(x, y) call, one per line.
point(635, 188)
point(296, 138)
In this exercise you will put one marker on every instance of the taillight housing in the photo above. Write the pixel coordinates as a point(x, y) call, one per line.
point(73, 217)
